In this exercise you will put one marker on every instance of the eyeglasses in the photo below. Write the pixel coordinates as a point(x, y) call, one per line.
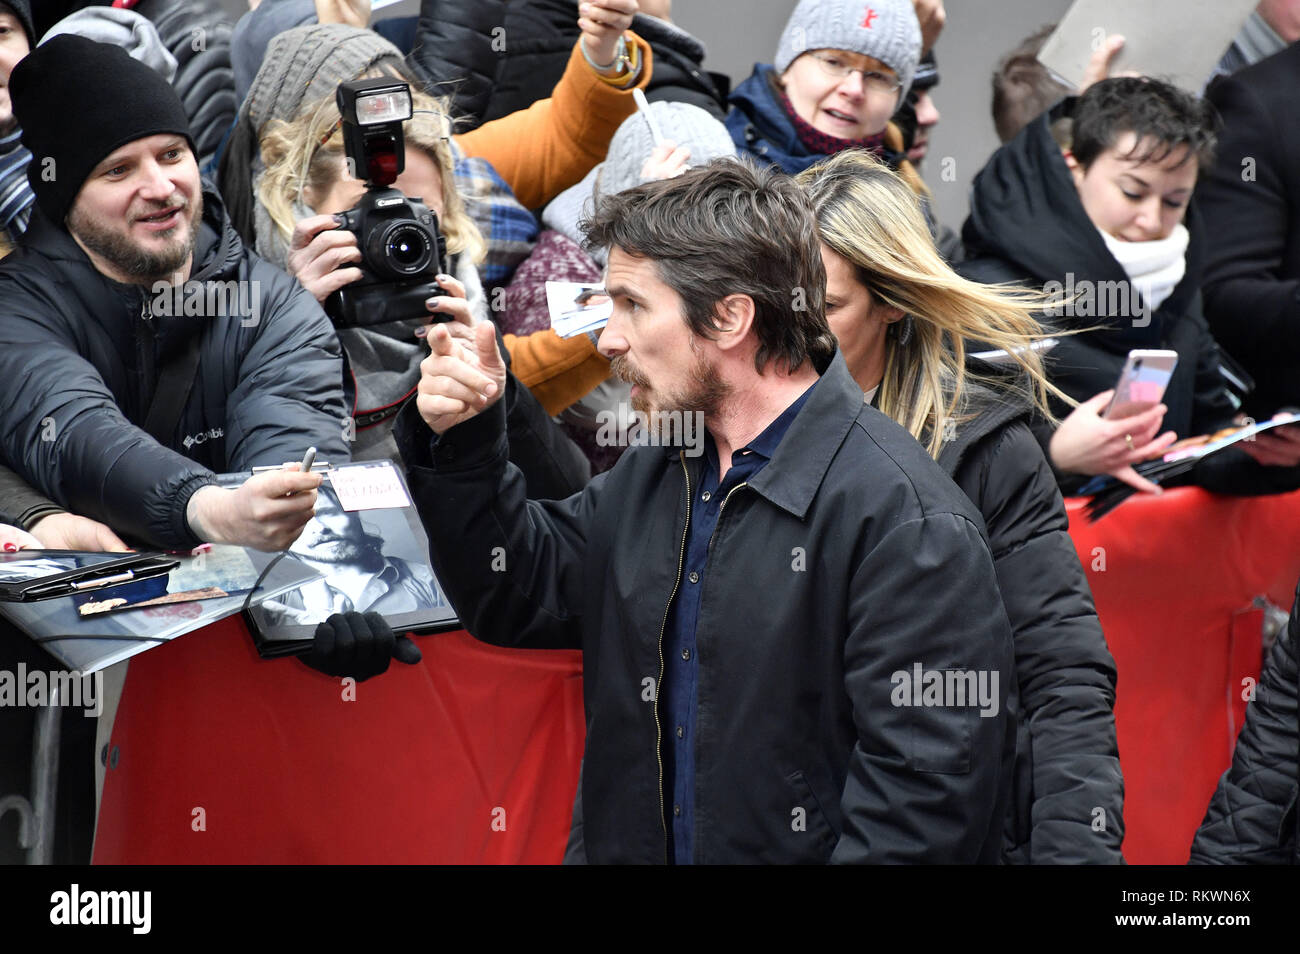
point(873, 80)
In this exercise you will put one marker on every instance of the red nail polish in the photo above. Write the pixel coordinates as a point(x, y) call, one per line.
point(11, 548)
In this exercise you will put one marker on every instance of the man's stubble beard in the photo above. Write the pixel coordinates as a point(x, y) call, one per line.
point(704, 395)
point(141, 267)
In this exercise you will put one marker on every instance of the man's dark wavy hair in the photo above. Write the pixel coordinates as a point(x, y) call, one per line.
point(729, 228)
point(1164, 118)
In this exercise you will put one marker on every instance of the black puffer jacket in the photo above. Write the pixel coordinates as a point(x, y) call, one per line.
point(1028, 226)
point(1252, 818)
point(1067, 760)
point(502, 57)
point(197, 32)
point(79, 365)
point(798, 671)
point(457, 53)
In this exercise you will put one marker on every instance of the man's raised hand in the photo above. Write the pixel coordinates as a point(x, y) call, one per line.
point(459, 380)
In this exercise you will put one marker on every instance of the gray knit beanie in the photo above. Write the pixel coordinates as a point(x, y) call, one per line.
point(684, 124)
point(124, 28)
point(884, 29)
point(306, 64)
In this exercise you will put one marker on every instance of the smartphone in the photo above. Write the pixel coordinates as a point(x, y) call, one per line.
point(1142, 383)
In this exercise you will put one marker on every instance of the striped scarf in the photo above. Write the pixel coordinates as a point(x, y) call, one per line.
point(16, 196)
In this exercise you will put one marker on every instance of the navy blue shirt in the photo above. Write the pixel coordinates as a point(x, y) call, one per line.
point(681, 675)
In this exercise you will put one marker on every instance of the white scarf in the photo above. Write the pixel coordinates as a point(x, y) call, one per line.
point(1155, 268)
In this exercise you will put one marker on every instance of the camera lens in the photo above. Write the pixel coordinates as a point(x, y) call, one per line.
point(405, 248)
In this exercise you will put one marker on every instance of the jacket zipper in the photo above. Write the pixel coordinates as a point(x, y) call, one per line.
point(146, 342)
point(721, 508)
point(659, 737)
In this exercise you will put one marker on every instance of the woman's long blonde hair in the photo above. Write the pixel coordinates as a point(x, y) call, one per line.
point(298, 163)
point(868, 215)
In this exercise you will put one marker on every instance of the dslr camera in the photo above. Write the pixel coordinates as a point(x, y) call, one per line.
point(401, 247)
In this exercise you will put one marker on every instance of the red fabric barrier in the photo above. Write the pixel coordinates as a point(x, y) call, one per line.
point(471, 756)
point(1174, 578)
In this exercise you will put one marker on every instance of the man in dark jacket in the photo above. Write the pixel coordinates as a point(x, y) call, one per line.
point(118, 403)
point(794, 646)
point(1251, 203)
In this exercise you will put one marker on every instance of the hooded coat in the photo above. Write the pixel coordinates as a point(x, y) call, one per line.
point(80, 358)
point(1027, 226)
point(494, 58)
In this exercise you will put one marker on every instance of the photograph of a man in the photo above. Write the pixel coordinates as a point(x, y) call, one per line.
point(358, 575)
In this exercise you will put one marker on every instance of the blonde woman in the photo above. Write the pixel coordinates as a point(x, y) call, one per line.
point(305, 185)
point(502, 168)
point(901, 315)
point(302, 181)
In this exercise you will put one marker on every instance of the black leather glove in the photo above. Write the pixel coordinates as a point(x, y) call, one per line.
point(359, 646)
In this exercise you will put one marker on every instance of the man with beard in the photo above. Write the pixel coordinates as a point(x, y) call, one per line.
point(142, 347)
point(749, 617)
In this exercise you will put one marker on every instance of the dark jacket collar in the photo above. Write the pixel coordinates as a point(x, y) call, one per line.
point(988, 411)
point(796, 470)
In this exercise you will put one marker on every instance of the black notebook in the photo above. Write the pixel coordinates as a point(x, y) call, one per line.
point(30, 575)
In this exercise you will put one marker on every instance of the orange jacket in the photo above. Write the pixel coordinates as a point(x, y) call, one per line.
point(548, 147)
point(540, 152)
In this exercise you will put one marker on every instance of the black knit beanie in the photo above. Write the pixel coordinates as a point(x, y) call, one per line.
point(76, 101)
point(22, 9)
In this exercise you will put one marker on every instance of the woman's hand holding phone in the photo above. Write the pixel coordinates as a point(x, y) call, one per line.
point(1088, 443)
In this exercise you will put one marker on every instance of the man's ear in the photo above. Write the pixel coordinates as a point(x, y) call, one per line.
point(734, 316)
